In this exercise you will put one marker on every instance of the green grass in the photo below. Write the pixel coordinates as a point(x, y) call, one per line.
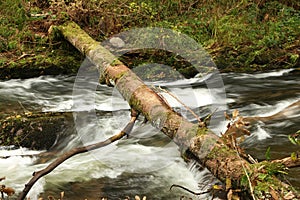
point(241, 35)
point(12, 20)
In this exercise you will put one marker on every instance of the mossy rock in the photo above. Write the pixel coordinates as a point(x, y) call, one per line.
point(37, 131)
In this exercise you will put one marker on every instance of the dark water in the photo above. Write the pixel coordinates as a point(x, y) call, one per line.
point(147, 163)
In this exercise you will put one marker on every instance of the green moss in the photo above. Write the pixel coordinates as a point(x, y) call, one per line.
point(51, 63)
point(201, 131)
point(240, 35)
point(120, 75)
point(116, 62)
point(135, 103)
point(217, 151)
point(35, 131)
point(12, 20)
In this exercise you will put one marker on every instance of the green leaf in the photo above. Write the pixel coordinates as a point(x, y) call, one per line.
point(244, 181)
point(295, 138)
point(262, 177)
point(294, 156)
point(292, 140)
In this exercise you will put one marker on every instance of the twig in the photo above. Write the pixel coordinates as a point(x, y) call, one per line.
point(288, 162)
point(37, 175)
point(50, 44)
point(24, 109)
point(190, 191)
point(19, 155)
point(19, 58)
point(246, 173)
point(43, 15)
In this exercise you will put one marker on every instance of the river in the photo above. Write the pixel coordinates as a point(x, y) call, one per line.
point(147, 163)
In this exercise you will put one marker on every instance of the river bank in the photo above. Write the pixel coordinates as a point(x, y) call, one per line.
point(245, 36)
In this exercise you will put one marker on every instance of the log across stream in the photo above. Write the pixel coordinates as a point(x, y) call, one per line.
point(120, 169)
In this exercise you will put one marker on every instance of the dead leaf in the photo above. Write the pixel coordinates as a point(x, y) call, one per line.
point(227, 116)
point(289, 196)
point(274, 194)
point(235, 114)
point(137, 197)
point(62, 194)
point(229, 195)
point(228, 183)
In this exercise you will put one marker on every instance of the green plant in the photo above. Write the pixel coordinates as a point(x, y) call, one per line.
point(295, 138)
point(268, 154)
point(12, 20)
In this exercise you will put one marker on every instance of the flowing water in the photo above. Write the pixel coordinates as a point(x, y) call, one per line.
point(147, 163)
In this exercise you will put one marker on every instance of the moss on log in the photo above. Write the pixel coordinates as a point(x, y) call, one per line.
point(222, 161)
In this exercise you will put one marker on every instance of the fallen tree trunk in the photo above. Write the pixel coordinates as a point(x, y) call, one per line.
point(206, 147)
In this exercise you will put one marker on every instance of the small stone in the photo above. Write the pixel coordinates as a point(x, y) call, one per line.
point(117, 42)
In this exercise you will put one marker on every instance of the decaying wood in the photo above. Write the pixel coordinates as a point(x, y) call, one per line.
point(37, 175)
point(207, 148)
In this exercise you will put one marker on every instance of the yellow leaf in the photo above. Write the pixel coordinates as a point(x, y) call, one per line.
point(217, 187)
point(28, 114)
point(228, 184)
point(235, 113)
point(294, 156)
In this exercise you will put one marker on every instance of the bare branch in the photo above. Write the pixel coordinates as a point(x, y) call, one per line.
point(289, 162)
point(190, 191)
point(37, 175)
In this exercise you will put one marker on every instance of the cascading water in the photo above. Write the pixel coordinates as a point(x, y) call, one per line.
point(147, 163)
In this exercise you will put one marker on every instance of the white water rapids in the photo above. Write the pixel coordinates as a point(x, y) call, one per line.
point(147, 163)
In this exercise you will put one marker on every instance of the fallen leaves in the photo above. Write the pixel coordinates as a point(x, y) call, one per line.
point(236, 131)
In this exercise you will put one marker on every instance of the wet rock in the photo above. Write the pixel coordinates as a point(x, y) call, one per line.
point(37, 131)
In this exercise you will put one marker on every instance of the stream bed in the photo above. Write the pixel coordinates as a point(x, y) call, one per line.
point(146, 163)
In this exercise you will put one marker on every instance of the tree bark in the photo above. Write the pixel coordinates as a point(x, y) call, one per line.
point(206, 147)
